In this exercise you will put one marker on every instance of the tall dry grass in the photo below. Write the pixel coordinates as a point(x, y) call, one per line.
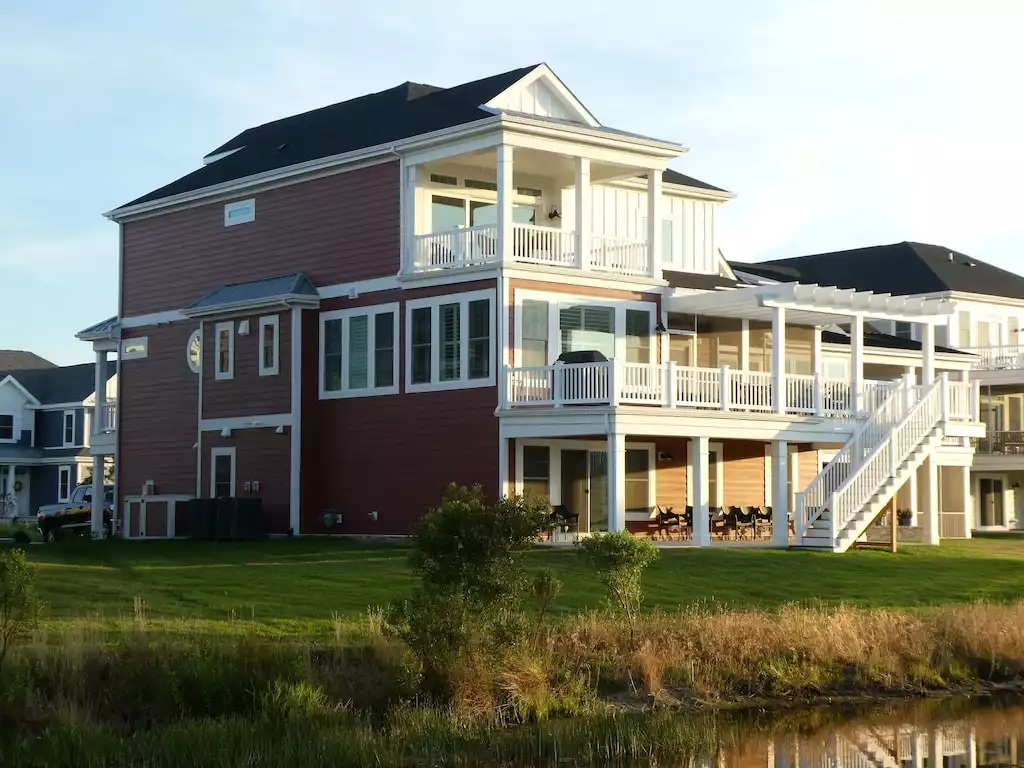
point(703, 655)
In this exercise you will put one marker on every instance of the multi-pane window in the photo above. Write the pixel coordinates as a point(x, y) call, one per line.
point(964, 329)
point(638, 336)
point(6, 426)
point(69, 427)
point(535, 333)
point(903, 330)
point(587, 327)
point(450, 341)
point(358, 355)
point(63, 483)
point(638, 480)
point(537, 471)
point(269, 346)
point(225, 351)
point(422, 359)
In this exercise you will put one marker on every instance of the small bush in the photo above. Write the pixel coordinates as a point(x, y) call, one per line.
point(620, 560)
point(546, 587)
point(22, 537)
point(19, 608)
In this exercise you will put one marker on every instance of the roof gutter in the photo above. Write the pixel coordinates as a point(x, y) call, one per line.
point(284, 300)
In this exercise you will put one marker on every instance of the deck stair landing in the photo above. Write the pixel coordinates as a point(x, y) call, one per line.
point(842, 501)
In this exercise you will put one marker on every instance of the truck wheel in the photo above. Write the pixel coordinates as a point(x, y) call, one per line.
point(51, 535)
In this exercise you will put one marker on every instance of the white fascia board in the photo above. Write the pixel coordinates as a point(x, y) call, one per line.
point(208, 159)
point(676, 190)
point(584, 135)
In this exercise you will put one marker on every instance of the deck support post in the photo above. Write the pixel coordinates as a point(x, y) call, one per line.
point(780, 493)
point(700, 468)
point(616, 481)
point(928, 494)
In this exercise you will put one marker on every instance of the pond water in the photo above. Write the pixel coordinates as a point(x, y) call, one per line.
point(954, 733)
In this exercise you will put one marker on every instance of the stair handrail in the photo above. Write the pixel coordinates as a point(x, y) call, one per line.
point(883, 460)
point(815, 498)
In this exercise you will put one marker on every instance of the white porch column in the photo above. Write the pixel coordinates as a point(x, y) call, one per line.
point(583, 212)
point(411, 205)
point(503, 489)
point(929, 497)
point(912, 502)
point(616, 481)
point(819, 360)
point(100, 383)
point(97, 497)
point(654, 222)
point(506, 191)
point(965, 480)
point(857, 361)
point(700, 475)
point(779, 360)
point(971, 746)
point(927, 353)
point(780, 493)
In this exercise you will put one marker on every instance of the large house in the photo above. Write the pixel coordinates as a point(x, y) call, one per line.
point(986, 325)
point(52, 438)
point(343, 311)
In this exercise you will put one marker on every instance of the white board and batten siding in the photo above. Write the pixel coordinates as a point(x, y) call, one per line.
point(537, 98)
point(620, 212)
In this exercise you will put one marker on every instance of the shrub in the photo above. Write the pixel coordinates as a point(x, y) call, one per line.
point(19, 608)
point(546, 587)
point(468, 607)
point(22, 537)
point(620, 560)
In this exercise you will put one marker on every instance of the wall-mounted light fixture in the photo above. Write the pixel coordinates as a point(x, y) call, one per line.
point(554, 215)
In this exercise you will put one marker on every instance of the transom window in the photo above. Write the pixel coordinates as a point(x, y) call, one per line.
point(450, 341)
point(359, 351)
point(269, 346)
point(6, 426)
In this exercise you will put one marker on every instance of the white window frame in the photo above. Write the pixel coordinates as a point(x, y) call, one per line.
point(434, 303)
point(240, 205)
point(135, 349)
point(345, 315)
point(14, 429)
point(557, 301)
point(61, 472)
point(218, 374)
point(270, 321)
point(214, 453)
point(64, 429)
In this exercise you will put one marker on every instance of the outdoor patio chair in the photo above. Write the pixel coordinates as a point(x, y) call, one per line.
point(762, 522)
point(718, 522)
point(563, 518)
point(667, 520)
point(745, 521)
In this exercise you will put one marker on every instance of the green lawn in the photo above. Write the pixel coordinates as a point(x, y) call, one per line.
point(295, 587)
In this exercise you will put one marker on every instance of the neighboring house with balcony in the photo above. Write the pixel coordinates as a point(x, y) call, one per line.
point(985, 326)
point(48, 431)
point(343, 311)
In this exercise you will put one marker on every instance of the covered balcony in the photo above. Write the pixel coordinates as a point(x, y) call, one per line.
point(524, 205)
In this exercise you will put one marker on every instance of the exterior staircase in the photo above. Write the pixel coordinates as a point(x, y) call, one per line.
point(885, 450)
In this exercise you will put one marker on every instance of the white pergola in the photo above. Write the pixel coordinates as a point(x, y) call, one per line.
point(818, 305)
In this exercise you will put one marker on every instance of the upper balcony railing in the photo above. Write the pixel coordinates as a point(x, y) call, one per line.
point(1000, 443)
point(477, 245)
point(108, 418)
point(1000, 358)
point(720, 389)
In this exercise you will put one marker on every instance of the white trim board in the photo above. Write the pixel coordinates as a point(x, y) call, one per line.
point(433, 303)
point(262, 421)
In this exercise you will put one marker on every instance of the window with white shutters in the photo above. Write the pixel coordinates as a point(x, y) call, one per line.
point(358, 354)
point(450, 341)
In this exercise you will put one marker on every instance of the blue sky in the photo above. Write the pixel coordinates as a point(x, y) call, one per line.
point(838, 124)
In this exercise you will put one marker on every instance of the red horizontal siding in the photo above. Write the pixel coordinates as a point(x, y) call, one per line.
point(158, 404)
point(392, 454)
point(262, 455)
point(248, 393)
point(336, 229)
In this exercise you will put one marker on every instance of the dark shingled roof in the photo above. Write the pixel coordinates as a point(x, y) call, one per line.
point(697, 281)
point(901, 269)
point(68, 384)
point(875, 339)
point(407, 110)
point(104, 328)
point(19, 359)
point(675, 177)
point(271, 288)
point(16, 451)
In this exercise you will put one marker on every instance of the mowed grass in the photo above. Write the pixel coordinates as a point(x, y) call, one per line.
point(305, 587)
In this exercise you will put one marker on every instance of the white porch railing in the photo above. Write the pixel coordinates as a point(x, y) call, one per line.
point(455, 248)
point(108, 417)
point(616, 254)
point(998, 358)
point(544, 245)
point(673, 386)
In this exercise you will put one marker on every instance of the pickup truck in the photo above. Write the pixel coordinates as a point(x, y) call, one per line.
point(74, 516)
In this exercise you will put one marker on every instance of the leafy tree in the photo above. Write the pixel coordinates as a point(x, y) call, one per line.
point(19, 608)
point(620, 560)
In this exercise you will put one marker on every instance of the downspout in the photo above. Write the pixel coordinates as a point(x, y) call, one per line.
point(199, 414)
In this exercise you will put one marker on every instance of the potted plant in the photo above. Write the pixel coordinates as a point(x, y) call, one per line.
point(904, 516)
